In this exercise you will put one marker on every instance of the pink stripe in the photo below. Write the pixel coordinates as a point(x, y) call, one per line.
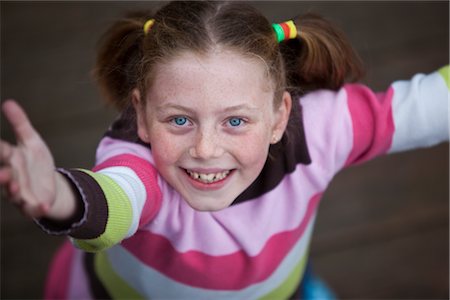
point(57, 283)
point(373, 123)
point(147, 174)
point(188, 229)
point(234, 271)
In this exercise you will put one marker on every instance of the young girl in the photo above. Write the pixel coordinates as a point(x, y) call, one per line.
point(231, 129)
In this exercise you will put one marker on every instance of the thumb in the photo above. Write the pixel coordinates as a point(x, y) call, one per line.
point(19, 121)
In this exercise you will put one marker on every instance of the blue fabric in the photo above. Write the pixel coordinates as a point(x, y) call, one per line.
point(313, 288)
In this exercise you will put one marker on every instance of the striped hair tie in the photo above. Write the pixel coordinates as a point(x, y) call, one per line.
point(148, 25)
point(285, 31)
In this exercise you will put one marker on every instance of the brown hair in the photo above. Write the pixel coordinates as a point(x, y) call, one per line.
point(321, 56)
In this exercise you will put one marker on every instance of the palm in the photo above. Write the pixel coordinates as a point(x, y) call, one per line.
point(28, 168)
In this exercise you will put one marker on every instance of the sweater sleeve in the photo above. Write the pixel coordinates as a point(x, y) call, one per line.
point(410, 114)
point(355, 124)
point(420, 110)
point(116, 197)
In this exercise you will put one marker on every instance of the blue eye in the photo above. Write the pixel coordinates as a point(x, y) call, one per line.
point(180, 121)
point(234, 122)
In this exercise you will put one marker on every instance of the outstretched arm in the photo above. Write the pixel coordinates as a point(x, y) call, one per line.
point(27, 171)
point(96, 208)
point(356, 124)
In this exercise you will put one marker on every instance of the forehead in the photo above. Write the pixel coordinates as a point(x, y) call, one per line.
point(224, 75)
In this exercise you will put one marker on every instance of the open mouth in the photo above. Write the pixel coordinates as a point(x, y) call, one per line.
point(208, 178)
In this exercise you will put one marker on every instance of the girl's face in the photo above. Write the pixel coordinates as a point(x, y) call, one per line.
point(210, 120)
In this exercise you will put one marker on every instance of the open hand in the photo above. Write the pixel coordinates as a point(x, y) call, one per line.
point(27, 170)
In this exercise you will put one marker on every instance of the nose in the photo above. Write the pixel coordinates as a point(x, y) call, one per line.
point(206, 145)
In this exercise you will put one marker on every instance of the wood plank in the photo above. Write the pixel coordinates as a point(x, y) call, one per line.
point(412, 267)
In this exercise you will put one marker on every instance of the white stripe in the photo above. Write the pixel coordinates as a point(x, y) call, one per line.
point(128, 180)
point(420, 109)
point(153, 284)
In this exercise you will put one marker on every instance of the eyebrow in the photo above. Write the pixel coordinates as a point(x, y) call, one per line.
point(173, 106)
point(229, 109)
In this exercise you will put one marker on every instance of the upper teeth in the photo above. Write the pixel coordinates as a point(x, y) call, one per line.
point(208, 178)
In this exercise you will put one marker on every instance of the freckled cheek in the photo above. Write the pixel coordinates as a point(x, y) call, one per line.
point(252, 151)
point(166, 149)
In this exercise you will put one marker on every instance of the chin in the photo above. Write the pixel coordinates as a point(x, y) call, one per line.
point(208, 205)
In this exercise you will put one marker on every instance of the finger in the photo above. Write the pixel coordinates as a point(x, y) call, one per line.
point(27, 205)
point(14, 191)
point(11, 194)
point(44, 208)
point(33, 210)
point(19, 121)
point(6, 175)
point(6, 151)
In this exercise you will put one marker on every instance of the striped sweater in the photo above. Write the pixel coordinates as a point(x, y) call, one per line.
point(141, 240)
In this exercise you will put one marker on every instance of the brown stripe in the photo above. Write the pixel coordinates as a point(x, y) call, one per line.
point(64, 226)
point(283, 159)
point(97, 210)
point(97, 288)
point(125, 127)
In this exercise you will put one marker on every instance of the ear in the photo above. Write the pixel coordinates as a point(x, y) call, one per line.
point(282, 114)
point(139, 107)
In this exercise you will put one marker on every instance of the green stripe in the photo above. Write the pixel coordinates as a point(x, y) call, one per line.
point(289, 286)
point(445, 73)
point(120, 215)
point(279, 32)
point(116, 286)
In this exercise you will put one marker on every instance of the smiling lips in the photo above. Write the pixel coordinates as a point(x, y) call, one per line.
point(208, 178)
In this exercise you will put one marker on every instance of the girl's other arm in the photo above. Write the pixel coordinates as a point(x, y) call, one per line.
point(355, 124)
point(420, 111)
point(410, 114)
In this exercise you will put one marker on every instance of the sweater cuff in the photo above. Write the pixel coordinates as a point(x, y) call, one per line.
point(65, 227)
point(91, 213)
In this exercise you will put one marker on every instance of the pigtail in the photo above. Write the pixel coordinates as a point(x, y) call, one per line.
point(320, 58)
point(119, 58)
